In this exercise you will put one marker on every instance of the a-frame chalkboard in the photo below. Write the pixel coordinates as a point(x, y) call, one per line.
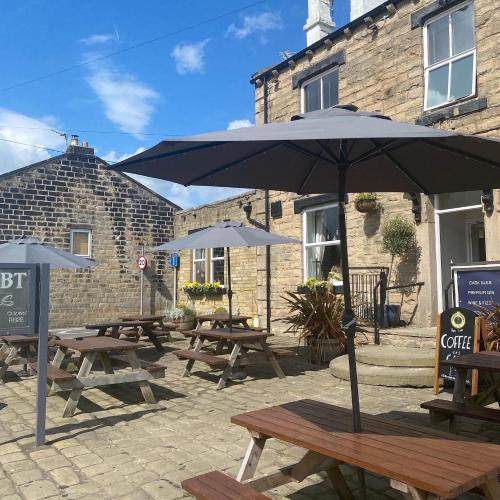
point(458, 333)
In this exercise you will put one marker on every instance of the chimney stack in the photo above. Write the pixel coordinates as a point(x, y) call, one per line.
point(319, 21)
point(74, 140)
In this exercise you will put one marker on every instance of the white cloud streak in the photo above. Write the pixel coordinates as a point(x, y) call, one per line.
point(189, 57)
point(239, 124)
point(22, 128)
point(259, 23)
point(97, 39)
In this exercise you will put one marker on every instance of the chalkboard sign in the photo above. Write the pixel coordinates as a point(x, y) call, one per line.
point(476, 285)
point(18, 305)
point(457, 334)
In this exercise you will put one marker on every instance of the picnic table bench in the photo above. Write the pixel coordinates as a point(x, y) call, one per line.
point(241, 341)
point(422, 463)
point(116, 328)
point(92, 349)
point(159, 328)
point(487, 363)
point(16, 350)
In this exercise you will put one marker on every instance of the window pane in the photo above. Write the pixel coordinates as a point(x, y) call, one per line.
point(462, 29)
point(330, 90)
point(321, 225)
point(80, 243)
point(218, 271)
point(321, 259)
point(461, 77)
point(199, 271)
point(438, 40)
point(312, 96)
point(218, 252)
point(456, 200)
point(437, 86)
point(199, 253)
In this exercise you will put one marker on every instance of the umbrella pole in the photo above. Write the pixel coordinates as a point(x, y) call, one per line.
point(348, 318)
point(229, 291)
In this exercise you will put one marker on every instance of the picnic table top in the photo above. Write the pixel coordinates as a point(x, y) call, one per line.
point(19, 339)
point(143, 317)
point(235, 335)
point(434, 461)
point(484, 360)
point(111, 324)
point(94, 344)
point(221, 317)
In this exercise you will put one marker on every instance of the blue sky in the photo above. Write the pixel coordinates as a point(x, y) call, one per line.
point(192, 81)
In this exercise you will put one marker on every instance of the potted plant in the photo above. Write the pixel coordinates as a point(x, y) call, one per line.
point(313, 284)
point(335, 278)
point(181, 316)
point(316, 316)
point(366, 202)
point(196, 289)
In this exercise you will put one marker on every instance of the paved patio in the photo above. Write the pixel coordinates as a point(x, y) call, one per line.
point(117, 447)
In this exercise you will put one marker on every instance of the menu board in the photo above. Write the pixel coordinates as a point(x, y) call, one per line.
point(477, 285)
point(18, 313)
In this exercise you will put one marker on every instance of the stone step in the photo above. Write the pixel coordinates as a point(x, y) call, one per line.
point(395, 356)
point(391, 376)
point(409, 337)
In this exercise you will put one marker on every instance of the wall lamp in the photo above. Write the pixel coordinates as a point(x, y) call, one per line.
point(487, 200)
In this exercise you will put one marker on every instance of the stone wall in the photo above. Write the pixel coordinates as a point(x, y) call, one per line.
point(75, 190)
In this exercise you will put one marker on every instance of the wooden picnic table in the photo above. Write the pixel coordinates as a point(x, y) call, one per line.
point(422, 463)
point(16, 350)
point(241, 341)
point(221, 320)
point(116, 326)
point(99, 348)
point(160, 328)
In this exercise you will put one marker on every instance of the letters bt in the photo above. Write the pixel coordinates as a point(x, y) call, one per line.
point(12, 280)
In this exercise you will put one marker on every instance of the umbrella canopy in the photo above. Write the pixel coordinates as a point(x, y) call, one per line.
point(29, 250)
point(337, 150)
point(298, 156)
point(226, 234)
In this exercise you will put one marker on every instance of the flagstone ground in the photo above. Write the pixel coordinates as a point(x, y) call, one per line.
point(118, 447)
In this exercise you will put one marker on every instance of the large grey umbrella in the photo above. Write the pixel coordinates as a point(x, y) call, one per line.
point(29, 250)
point(226, 234)
point(338, 150)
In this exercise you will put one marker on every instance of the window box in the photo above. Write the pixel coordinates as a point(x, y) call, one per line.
point(196, 289)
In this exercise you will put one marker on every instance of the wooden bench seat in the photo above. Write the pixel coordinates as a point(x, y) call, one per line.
point(158, 371)
point(278, 352)
point(213, 361)
point(446, 410)
point(54, 374)
point(217, 486)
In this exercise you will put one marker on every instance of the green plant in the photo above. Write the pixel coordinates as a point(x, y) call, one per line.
point(491, 317)
point(197, 289)
point(220, 310)
point(366, 197)
point(179, 312)
point(335, 274)
point(398, 236)
point(313, 284)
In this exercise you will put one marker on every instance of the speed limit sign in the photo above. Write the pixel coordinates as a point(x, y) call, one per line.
point(142, 262)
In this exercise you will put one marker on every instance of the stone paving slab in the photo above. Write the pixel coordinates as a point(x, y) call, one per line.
point(118, 447)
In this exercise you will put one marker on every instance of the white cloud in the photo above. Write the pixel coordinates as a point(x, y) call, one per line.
point(114, 157)
point(28, 130)
point(127, 102)
point(189, 57)
point(97, 39)
point(259, 23)
point(239, 124)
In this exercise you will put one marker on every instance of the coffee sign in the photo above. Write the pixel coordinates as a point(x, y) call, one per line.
point(18, 284)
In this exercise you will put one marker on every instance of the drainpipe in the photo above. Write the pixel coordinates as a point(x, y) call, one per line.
point(268, 224)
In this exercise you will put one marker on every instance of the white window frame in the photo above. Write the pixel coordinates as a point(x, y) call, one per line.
point(214, 259)
point(428, 68)
point(311, 80)
point(195, 260)
point(306, 245)
point(89, 242)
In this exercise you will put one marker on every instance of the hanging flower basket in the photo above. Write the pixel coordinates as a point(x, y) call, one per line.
point(194, 289)
point(366, 206)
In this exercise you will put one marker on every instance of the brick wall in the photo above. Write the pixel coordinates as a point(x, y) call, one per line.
point(75, 190)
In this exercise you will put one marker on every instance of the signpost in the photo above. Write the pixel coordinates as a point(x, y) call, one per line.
point(24, 310)
point(458, 333)
point(476, 284)
point(142, 264)
point(174, 262)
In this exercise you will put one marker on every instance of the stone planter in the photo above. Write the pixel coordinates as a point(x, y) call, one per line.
point(186, 323)
point(322, 351)
point(366, 206)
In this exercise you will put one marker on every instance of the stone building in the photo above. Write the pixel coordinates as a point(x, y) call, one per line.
point(73, 202)
point(435, 63)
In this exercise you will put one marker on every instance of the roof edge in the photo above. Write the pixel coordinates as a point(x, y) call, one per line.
point(217, 202)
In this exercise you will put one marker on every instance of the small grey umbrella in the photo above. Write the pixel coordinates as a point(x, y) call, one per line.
point(29, 250)
point(227, 234)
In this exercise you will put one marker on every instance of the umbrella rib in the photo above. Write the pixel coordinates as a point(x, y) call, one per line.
point(376, 151)
point(231, 164)
point(327, 151)
point(399, 167)
point(458, 152)
point(308, 176)
point(307, 152)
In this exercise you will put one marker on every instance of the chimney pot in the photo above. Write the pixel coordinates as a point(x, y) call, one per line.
point(319, 20)
point(74, 140)
point(85, 144)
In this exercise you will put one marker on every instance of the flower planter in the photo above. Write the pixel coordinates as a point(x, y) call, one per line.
point(186, 323)
point(366, 206)
point(322, 351)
